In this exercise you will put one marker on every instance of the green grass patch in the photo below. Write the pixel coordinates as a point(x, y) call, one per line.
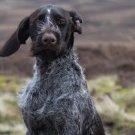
point(9, 84)
point(11, 122)
point(115, 103)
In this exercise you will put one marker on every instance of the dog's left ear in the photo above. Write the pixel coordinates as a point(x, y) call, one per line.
point(20, 35)
point(77, 20)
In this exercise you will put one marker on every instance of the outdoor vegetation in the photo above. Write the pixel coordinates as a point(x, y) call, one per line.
point(114, 103)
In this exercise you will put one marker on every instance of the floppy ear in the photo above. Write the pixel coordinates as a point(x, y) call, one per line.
point(76, 21)
point(17, 38)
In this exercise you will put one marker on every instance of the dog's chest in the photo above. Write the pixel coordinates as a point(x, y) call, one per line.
point(41, 94)
point(35, 99)
point(43, 101)
point(39, 99)
point(43, 109)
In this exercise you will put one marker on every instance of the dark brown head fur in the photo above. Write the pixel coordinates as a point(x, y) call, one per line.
point(51, 30)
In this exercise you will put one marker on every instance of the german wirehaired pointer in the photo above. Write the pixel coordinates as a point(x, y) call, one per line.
point(56, 100)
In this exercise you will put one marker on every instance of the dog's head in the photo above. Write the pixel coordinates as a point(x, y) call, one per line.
point(50, 28)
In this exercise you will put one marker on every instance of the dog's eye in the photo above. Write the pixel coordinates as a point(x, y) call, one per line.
point(61, 21)
point(41, 17)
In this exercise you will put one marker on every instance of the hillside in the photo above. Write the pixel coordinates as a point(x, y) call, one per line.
point(107, 43)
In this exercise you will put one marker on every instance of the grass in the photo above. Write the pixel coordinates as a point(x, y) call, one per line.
point(114, 103)
point(9, 84)
point(10, 117)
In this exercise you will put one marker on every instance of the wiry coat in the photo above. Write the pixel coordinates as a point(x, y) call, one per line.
point(56, 100)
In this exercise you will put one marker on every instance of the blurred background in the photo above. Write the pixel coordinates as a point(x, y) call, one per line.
point(106, 49)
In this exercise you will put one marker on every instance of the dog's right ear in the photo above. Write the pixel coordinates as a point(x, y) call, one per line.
point(17, 38)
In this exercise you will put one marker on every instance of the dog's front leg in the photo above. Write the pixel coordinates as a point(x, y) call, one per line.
point(27, 133)
point(67, 122)
point(70, 127)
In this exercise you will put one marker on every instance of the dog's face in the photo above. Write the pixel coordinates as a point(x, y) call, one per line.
point(51, 30)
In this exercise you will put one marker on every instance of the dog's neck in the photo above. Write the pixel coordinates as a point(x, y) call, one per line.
point(60, 70)
point(44, 65)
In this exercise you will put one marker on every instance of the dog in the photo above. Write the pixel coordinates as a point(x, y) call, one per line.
point(56, 100)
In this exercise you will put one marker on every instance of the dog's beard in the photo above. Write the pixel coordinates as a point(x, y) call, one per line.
point(41, 50)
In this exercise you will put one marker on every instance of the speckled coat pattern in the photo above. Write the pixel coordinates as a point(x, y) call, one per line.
point(56, 101)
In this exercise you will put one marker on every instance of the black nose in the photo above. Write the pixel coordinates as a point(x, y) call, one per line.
point(49, 38)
